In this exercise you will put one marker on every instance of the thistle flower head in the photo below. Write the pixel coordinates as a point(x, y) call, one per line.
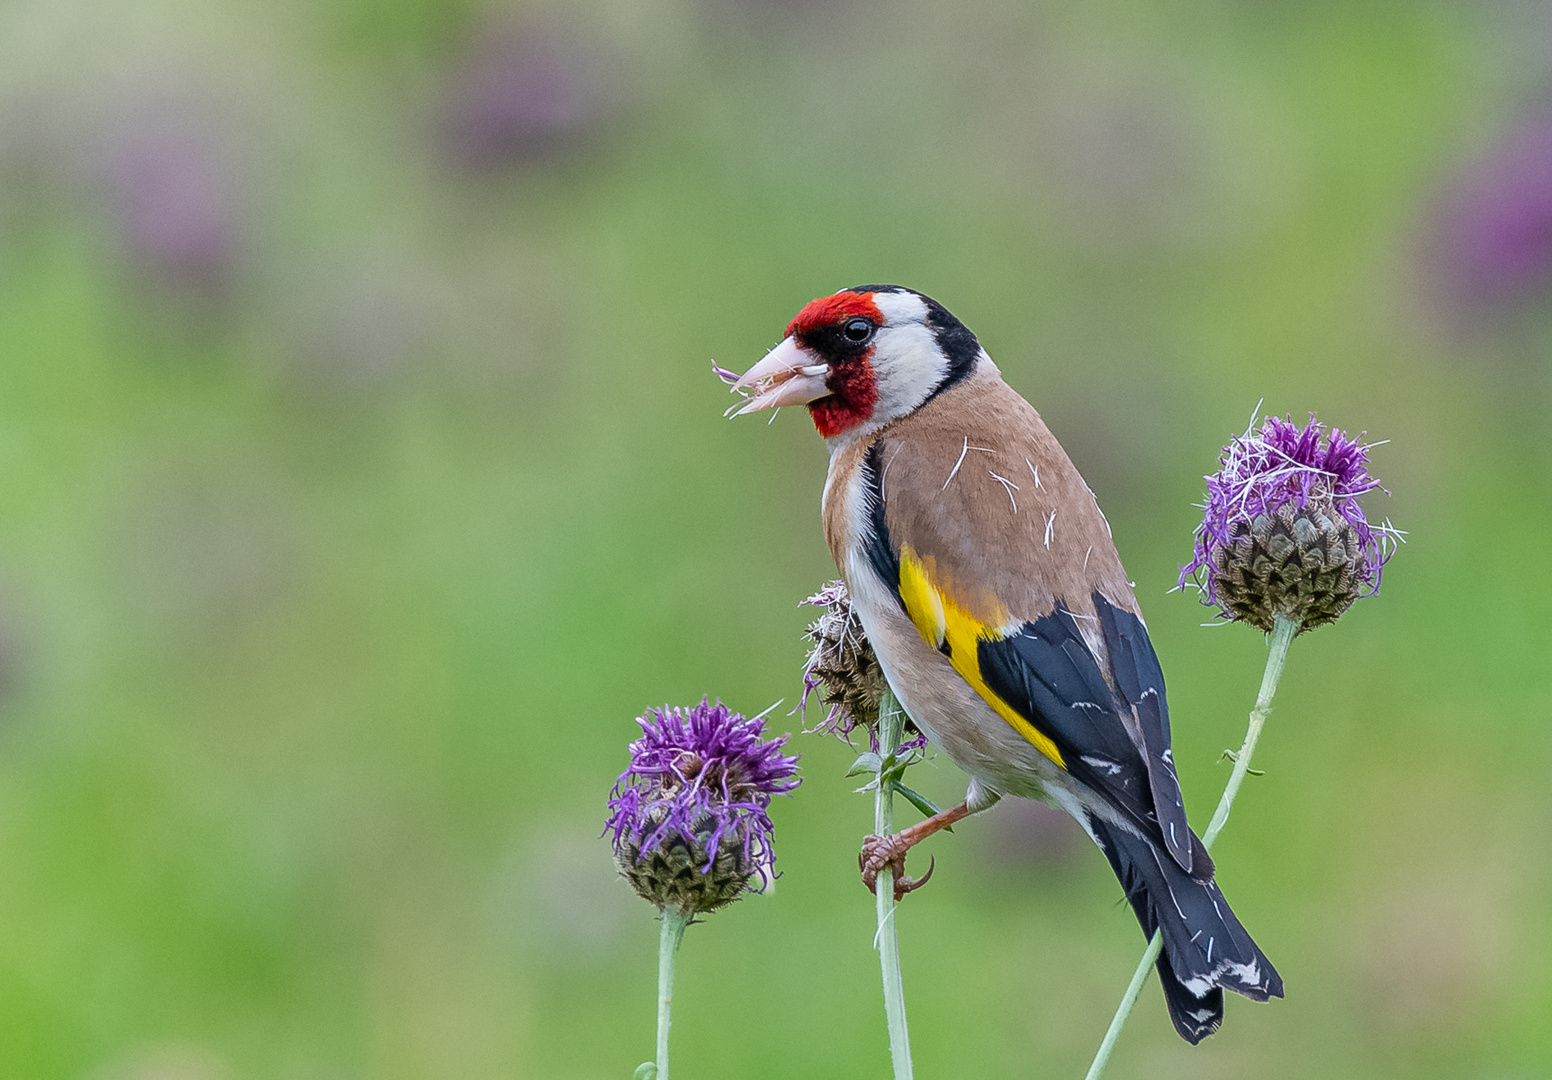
point(688, 816)
point(844, 669)
point(1283, 532)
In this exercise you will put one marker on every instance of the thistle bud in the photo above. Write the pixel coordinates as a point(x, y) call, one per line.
point(688, 817)
point(843, 668)
point(1283, 533)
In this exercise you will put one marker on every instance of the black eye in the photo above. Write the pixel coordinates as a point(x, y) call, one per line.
point(858, 330)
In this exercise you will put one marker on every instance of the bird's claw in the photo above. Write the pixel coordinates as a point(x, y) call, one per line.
point(878, 852)
point(904, 884)
point(881, 851)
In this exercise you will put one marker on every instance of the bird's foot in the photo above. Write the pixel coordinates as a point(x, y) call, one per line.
point(881, 851)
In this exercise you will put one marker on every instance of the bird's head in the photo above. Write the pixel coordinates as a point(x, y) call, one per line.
point(861, 358)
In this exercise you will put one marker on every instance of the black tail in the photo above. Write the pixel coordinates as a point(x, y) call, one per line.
point(1206, 950)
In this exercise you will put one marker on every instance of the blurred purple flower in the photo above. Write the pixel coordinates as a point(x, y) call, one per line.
point(1282, 531)
point(688, 816)
point(1493, 230)
point(522, 95)
point(169, 189)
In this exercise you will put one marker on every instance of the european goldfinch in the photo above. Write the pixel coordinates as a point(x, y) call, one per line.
point(984, 574)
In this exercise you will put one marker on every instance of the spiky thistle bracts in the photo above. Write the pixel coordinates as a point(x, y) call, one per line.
point(842, 667)
point(688, 817)
point(1283, 532)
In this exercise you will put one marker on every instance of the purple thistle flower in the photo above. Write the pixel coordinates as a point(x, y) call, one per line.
point(689, 814)
point(1283, 532)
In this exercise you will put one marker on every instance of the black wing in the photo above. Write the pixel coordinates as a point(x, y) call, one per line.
point(1135, 668)
point(1047, 674)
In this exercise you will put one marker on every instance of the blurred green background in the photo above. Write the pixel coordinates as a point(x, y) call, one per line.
point(363, 475)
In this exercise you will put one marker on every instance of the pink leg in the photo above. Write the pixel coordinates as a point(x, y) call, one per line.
point(881, 851)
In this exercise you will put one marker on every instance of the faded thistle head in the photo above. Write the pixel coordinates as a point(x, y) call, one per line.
point(843, 668)
point(688, 816)
point(1283, 532)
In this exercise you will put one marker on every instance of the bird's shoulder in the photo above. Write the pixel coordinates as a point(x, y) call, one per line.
point(985, 499)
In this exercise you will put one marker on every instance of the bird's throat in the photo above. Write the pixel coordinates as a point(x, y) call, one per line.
point(853, 393)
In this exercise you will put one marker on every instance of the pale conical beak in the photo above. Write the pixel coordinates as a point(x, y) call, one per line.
point(787, 376)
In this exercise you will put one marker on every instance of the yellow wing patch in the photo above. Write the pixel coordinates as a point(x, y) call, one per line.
point(949, 628)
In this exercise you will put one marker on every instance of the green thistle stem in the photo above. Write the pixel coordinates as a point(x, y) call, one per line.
point(1282, 636)
point(891, 725)
point(673, 924)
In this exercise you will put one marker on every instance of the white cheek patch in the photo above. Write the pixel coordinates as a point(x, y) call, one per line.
point(908, 366)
